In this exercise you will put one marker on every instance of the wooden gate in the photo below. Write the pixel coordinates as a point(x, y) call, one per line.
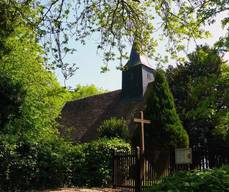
point(125, 169)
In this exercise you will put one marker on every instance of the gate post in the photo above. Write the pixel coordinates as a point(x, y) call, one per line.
point(114, 168)
point(138, 171)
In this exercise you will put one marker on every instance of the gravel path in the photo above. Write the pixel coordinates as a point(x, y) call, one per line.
point(86, 190)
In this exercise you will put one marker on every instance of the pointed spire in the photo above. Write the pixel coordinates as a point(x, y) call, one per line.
point(137, 59)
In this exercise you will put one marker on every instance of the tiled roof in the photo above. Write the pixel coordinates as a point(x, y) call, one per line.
point(81, 118)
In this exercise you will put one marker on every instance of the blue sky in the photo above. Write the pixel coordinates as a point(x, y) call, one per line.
point(89, 63)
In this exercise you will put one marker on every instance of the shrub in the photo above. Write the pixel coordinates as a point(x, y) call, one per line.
point(206, 181)
point(96, 169)
point(114, 127)
point(11, 99)
point(18, 164)
point(27, 165)
point(53, 166)
point(54, 163)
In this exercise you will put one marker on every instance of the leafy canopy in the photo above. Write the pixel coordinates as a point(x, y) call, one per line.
point(41, 97)
point(200, 89)
point(85, 91)
point(58, 23)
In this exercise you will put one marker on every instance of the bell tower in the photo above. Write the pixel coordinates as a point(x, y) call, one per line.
point(137, 75)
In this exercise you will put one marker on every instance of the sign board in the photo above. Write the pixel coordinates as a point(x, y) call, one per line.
point(183, 156)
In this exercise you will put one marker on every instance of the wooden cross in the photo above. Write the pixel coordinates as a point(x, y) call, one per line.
point(142, 121)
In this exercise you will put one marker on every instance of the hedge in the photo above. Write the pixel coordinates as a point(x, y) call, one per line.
point(215, 180)
point(50, 164)
point(95, 169)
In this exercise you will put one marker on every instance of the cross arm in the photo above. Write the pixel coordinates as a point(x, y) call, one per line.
point(142, 121)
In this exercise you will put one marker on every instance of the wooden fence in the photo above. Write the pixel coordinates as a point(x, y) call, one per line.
point(136, 173)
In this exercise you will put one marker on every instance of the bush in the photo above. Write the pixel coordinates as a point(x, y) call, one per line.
point(11, 100)
point(96, 169)
point(206, 181)
point(114, 127)
point(53, 166)
point(88, 164)
point(54, 163)
point(27, 165)
point(18, 165)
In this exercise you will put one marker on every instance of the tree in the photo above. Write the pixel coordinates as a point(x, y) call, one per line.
point(117, 21)
point(165, 130)
point(86, 91)
point(30, 101)
point(200, 90)
point(165, 133)
point(21, 61)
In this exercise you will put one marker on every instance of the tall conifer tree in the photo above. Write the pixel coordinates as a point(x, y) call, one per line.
point(166, 129)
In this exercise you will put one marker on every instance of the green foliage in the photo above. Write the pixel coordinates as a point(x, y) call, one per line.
point(11, 98)
point(200, 89)
point(97, 170)
point(86, 91)
point(52, 165)
point(32, 154)
point(165, 130)
point(222, 115)
point(11, 18)
point(206, 181)
point(55, 163)
point(23, 64)
point(26, 164)
point(114, 127)
point(115, 22)
point(31, 100)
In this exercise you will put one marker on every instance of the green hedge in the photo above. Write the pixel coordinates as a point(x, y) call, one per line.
point(26, 165)
point(55, 163)
point(215, 180)
point(96, 170)
point(18, 165)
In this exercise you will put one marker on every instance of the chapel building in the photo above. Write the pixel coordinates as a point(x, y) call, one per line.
point(81, 118)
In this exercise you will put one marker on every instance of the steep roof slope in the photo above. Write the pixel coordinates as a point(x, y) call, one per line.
point(81, 118)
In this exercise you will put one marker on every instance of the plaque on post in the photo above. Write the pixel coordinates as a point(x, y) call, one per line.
point(183, 156)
